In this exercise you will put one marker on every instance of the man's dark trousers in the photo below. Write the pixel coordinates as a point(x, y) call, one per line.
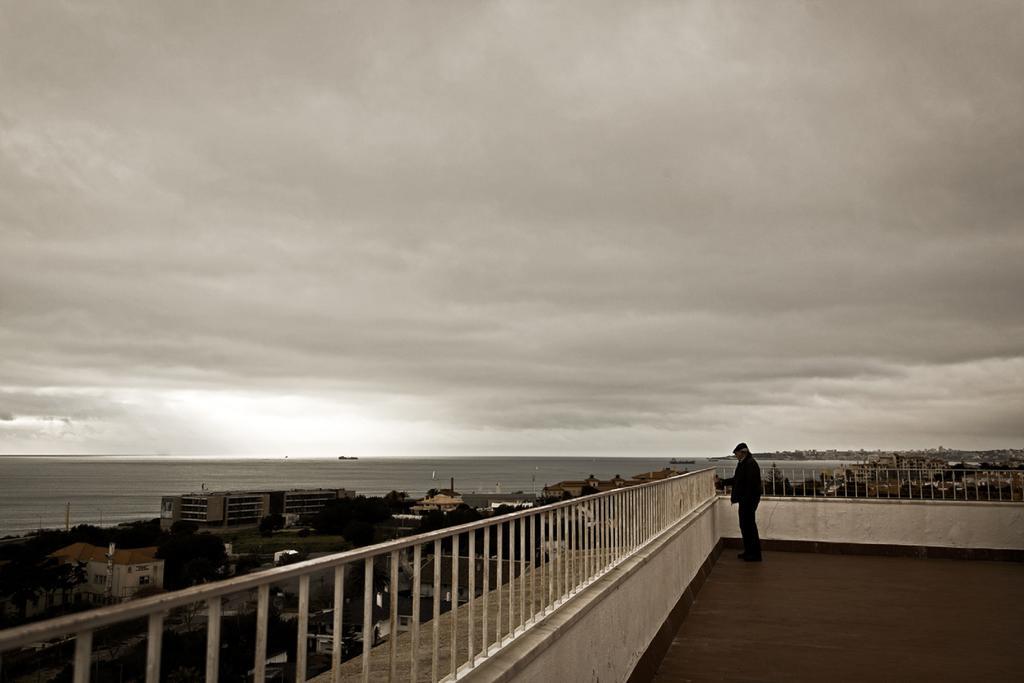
point(748, 528)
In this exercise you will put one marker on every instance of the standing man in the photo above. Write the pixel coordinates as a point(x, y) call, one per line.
point(746, 490)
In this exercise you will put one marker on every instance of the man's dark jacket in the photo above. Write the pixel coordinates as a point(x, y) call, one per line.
point(746, 482)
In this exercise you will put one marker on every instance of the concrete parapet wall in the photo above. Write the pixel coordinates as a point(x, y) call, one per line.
point(918, 523)
point(602, 633)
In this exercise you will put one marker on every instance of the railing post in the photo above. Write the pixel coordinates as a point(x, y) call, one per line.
point(655, 508)
point(417, 577)
point(533, 565)
point(612, 528)
point(648, 516)
point(627, 506)
point(522, 571)
point(471, 568)
point(83, 656)
point(662, 506)
point(557, 549)
point(548, 574)
point(454, 611)
point(571, 512)
point(484, 614)
point(619, 525)
point(500, 567)
point(262, 615)
point(511, 578)
point(301, 645)
point(436, 622)
point(339, 606)
point(367, 616)
point(588, 538)
point(605, 545)
point(392, 616)
point(213, 612)
point(566, 554)
point(154, 639)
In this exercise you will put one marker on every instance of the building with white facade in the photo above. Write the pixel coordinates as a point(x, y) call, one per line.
point(113, 575)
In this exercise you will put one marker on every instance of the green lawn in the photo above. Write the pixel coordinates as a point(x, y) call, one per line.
point(249, 541)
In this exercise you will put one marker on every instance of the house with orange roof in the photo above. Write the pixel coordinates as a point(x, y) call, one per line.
point(442, 501)
point(113, 574)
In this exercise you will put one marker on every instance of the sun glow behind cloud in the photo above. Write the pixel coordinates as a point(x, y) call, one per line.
point(299, 425)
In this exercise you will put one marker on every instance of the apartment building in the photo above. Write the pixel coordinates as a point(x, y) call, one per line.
point(220, 509)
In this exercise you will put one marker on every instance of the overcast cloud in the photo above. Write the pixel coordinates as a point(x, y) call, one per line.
point(466, 227)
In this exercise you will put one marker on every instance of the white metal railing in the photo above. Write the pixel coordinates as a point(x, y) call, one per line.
point(532, 561)
point(900, 483)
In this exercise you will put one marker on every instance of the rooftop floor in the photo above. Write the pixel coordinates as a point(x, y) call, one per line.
point(812, 617)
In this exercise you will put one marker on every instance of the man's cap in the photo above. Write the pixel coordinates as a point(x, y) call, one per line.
point(740, 447)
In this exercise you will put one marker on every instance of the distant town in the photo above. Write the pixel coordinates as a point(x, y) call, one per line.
point(1005, 455)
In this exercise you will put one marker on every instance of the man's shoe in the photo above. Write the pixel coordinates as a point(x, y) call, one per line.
point(742, 556)
point(752, 559)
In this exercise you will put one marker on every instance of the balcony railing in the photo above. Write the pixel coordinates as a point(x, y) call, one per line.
point(900, 483)
point(541, 557)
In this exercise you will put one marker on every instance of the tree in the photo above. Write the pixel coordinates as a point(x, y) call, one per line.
point(358, 533)
point(184, 527)
point(137, 534)
point(22, 583)
point(200, 570)
point(27, 579)
point(397, 501)
point(435, 519)
point(271, 523)
point(336, 515)
point(88, 533)
point(67, 576)
point(192, 559)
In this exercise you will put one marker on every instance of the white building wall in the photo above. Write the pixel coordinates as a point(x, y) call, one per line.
point(126, 579)
point(943, 524)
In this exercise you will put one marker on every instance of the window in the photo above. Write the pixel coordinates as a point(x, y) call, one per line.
point(99, 578)
point(144, 580)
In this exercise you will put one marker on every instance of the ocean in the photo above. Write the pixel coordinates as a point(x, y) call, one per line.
point(107, 490)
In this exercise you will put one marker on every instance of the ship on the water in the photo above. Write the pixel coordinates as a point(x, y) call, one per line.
point(677, 461)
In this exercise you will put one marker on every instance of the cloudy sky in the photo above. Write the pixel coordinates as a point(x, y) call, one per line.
point(494, 228)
